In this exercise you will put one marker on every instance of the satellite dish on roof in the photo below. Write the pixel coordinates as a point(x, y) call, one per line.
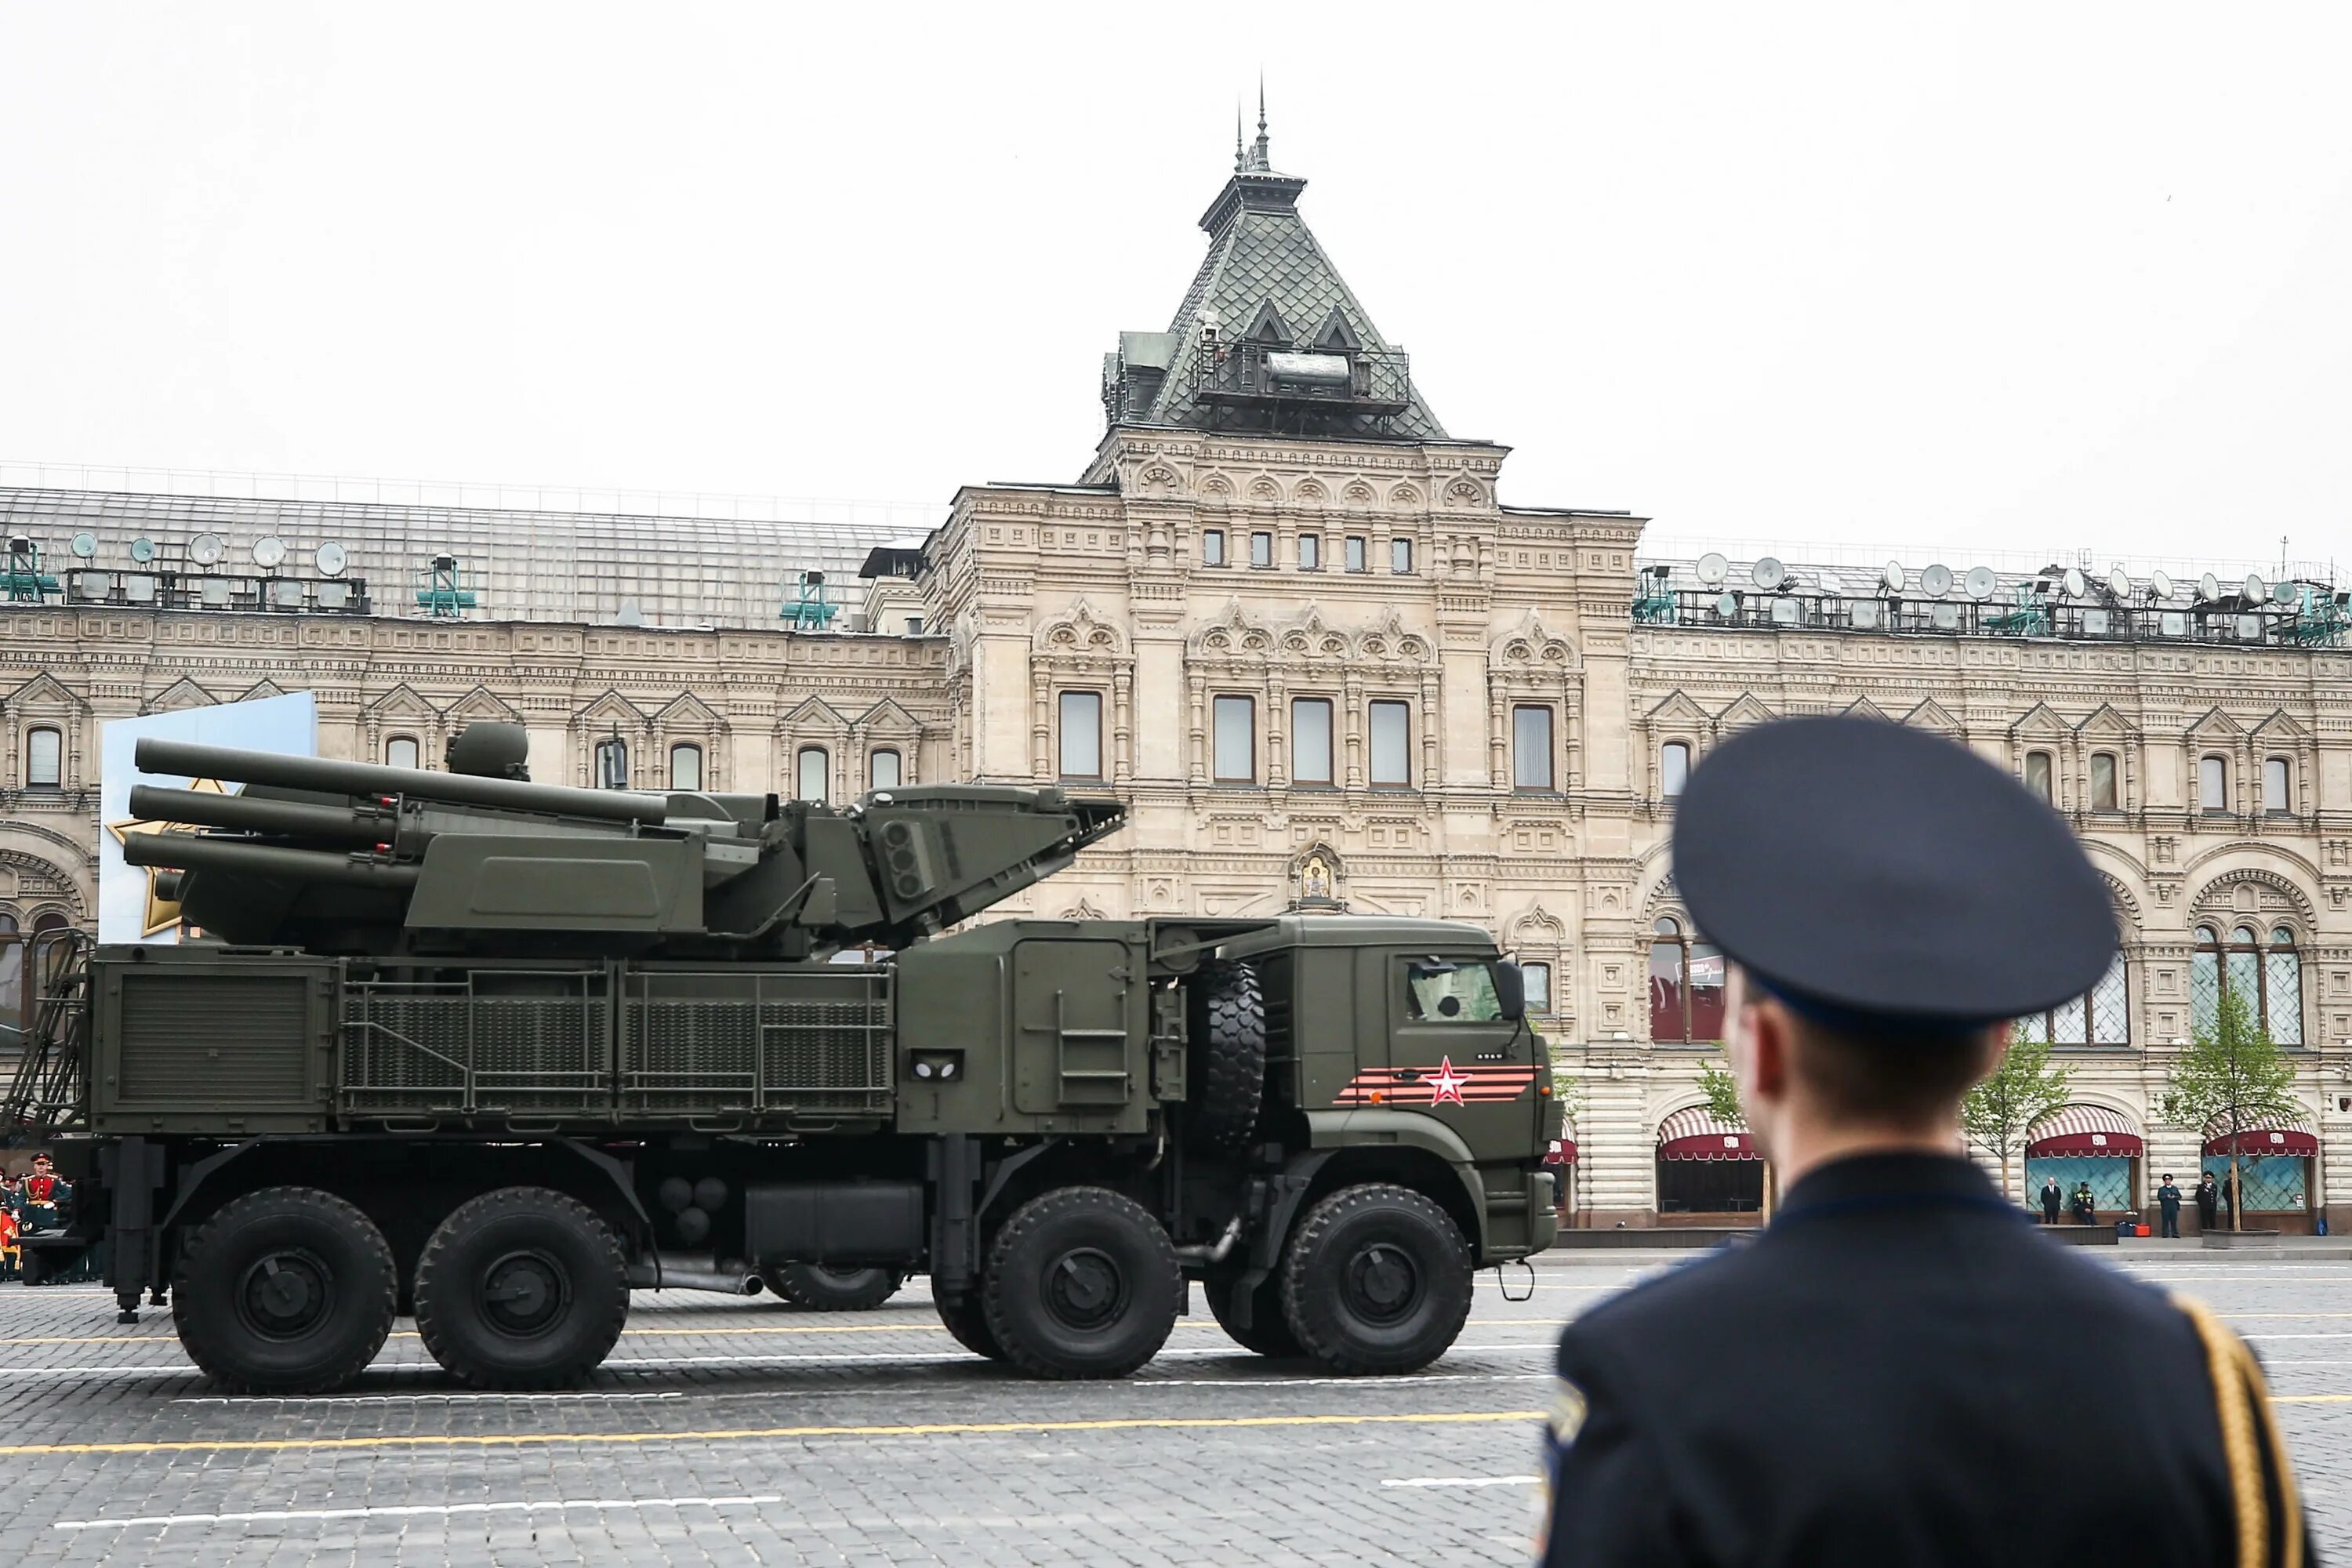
point(2119, 582)
point(1767, 574)
point(1936, 581)
point(1892, 577)
point(269, 551)
point(143, 550)
point(2160, 584)
point(1980, 583)
point(2076, 584)
point(2285, 594)
point(1727, 604)
point(330, 558)
point(2255, 588)
point(1712, 569)
point(204, 549)
point(85, 544)
point(2209, 586)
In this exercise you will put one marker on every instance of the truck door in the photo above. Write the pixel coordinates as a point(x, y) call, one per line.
point(1455, 1056)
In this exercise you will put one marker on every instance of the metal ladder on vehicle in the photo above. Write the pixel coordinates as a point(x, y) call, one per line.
point(46, 1096)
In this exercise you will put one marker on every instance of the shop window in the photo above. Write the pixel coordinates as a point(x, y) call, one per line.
point(2037, 776)
point(2271, 1184)
point(44, 751)
point(1234, 739)
point(1531, 748)
point(1355, 552)
point(1674, 768)
point(1260, 550)
point(1535, 979)
point(810, 769)
point(1310, 741)
point(2278, 799)
point(685, 766)
point(612, 763)
point(883, 770)
point(2213, 786)
point(1082, 735)
point(1212, 547)
point(1310, 552)
point(1392, 744)
point(2267, 975)
point(1400, 555)
point(400, 752)
point(1685, 987)
point(2102, 782)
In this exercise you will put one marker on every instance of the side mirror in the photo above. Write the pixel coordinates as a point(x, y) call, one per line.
point(1511, 989)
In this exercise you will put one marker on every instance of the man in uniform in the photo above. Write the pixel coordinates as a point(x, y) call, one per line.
point(1860, 1383)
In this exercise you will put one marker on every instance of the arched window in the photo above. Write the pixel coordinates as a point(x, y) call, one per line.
point(1536, 982)
point(2100, 1017)
point(2102, 782)
point(12, 969)
point(685, 766)
point(1685, 987)
point(400, 752)
point(810, 770)
point(2213, 786)
point(1674, 768)
point(882, 770)
point(2268, 975)
point(612, 763)
point(45, 753)
point(2278, 798)
point(2037, 776)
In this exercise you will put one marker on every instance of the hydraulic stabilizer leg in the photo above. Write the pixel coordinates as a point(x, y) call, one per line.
point(130, 1254)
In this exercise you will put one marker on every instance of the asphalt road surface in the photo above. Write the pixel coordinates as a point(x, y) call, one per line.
point(730, 1432)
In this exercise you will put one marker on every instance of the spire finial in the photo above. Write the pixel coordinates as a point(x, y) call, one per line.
point(1239, 161)
point(1258, 160)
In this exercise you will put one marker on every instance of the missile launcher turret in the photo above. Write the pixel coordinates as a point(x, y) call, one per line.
point(356, 858)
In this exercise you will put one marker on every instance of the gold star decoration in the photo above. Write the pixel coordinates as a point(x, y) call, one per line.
point(162, 914)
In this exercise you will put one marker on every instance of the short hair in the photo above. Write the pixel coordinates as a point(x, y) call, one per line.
point(1887, 1074)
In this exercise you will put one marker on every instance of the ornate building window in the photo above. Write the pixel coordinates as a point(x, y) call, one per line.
point(1535, 978)
point(1212, 547)
point(1400, 555)
point(1082, 745)
point(612, 763)
point(2213, 786)
point(882, 770)
point(1310, 552)
point(401, 751)
point(685, 766)
point(2268, 975)
point(1674, 768)
point(2100, 1017)
point(2037, 776)
point(1354, 554)
point(1685, 987)
point(1391, 745)
point(2278, 797)
point(2102, 782)
point(1310, 741)
point(1234, 742)
point(44, 751)
point(1260, 550)
point(810, 769)
point(1531, 747)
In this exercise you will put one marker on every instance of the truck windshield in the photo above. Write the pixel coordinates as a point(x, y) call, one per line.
point(1454, 993)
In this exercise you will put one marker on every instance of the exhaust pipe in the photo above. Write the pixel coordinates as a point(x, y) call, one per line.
point(654, 1277)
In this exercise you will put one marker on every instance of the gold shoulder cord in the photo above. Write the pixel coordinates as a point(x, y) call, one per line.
point(2242, 1398)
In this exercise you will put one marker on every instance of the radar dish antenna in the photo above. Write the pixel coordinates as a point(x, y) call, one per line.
point(2160, 584)
point(2208, 587)
point(85, 544)
point(2076, 584)
point(269, 551)
point(204, 549)
point(1712, 569)
point(2119, 582)
point(143, 550)
point(1892, 577)
point(2286, 595)
point(1980, 583)
point(1727, 604)
point(1767, 574)
point(1936, 581)
point(330, 558)
point(2255, 588)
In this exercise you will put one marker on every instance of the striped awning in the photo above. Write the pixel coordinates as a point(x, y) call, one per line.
point(2290, 1135)
point(2075, 1131)
point(1694, 1134)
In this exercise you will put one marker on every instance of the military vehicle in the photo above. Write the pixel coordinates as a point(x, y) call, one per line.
point(496, 1053)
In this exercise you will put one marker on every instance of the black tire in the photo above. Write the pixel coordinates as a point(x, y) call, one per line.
point(1081, 1283)
point(1228, 1037)
point(968, 1324)
point(1269, 1331)
point(831, 1287)
point(286, 1291)
point(1377, 1280)
point(521, 1288)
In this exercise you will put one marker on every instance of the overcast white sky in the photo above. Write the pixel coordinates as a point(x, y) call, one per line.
point(2018, 277)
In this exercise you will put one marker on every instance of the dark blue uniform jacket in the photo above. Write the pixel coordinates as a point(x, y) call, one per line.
point(1900, 1370)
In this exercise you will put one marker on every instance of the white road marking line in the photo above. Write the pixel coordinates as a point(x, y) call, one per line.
point(1468, 1481)
point(279, 1516)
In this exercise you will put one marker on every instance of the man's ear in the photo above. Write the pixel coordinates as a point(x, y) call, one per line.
point(1770, 1036)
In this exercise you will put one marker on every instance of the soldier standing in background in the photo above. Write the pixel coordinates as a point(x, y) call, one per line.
point(1847, 1388)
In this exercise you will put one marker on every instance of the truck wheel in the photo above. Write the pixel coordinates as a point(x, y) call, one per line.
point(1081, 1283)
point(1269, 1333)
point(522, 1288)
point(286, 1291)
point(1229, 1048)
point(1377, 1280)
point(968, 1324)
point(829, 1287)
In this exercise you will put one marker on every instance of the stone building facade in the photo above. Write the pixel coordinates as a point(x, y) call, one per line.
point(1284, 615)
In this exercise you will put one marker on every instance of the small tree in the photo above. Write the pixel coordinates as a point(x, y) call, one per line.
point(1722, 1091)
point(2232, 1075)
point(1999, 1111)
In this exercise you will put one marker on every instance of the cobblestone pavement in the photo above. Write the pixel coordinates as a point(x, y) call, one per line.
point(733, 1432)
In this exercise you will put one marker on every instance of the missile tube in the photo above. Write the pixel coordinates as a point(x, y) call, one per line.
point(327, 776)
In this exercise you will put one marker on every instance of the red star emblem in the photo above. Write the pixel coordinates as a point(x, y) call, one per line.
point(1447, 1084)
